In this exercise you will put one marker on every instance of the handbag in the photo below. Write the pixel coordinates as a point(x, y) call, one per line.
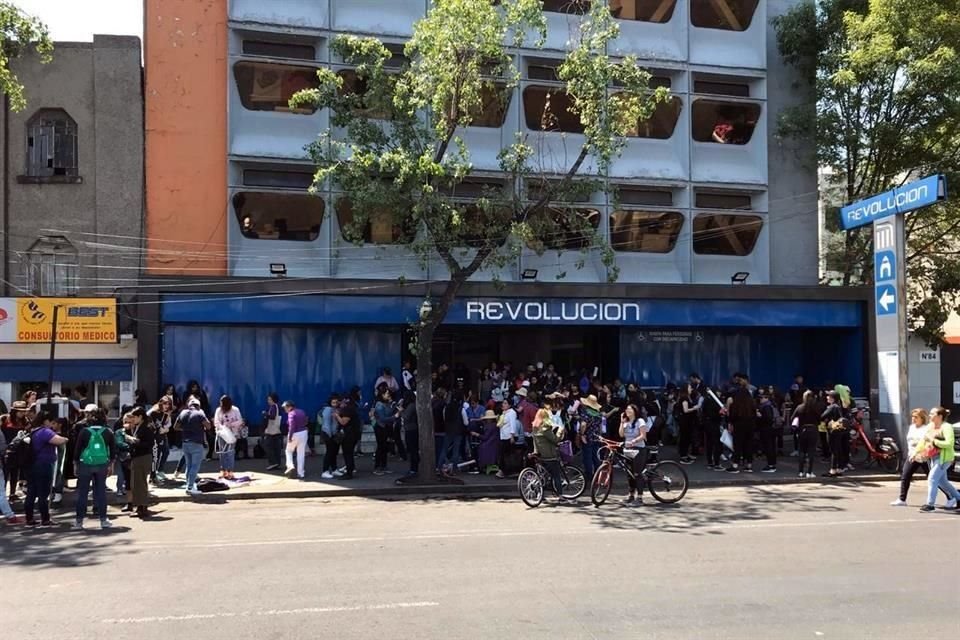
point(726, 439)
point(565, 449)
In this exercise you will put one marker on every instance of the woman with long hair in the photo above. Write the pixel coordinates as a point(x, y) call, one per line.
point(161, 416)
point(919, 424)
point(633, 430)
point(140, 439)
point(937, 447)
point(227, 422)
point(806, 419)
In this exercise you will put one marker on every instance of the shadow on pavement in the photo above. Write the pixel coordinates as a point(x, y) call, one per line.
point(59, 547)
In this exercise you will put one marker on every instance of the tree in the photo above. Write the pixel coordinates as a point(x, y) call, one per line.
point(402, 155)
point(19, 33)
point(885, 110)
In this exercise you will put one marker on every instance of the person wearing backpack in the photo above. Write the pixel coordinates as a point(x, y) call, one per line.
point(44, 441)
point(95, 451)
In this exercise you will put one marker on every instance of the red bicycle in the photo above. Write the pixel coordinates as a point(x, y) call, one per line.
point(882, 449)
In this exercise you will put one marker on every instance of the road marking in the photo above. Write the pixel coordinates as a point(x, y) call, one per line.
point(528, 532)
point(272, 612)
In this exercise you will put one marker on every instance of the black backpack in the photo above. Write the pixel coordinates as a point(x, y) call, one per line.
point(19, 453)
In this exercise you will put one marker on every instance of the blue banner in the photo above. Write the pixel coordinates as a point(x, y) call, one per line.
point(909, 197)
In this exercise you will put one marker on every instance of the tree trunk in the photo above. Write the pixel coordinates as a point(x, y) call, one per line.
point(425, 400)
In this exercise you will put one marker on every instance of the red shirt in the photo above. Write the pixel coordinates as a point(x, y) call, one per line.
point(528, 411)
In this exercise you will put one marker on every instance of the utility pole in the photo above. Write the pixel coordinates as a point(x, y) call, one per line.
point(53, 355)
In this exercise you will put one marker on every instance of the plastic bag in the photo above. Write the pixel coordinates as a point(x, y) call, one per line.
point(726, 439)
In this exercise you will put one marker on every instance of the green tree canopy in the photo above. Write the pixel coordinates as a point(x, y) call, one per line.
point(396, 146)
point(19, 33)
point(886, 76)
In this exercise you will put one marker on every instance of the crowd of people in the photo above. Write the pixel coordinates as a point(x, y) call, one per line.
point(484, 425)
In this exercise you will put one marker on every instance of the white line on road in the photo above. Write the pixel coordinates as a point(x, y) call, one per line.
point(528, 532)
point(272, 612)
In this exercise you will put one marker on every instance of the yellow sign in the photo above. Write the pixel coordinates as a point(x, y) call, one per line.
point(79, 320)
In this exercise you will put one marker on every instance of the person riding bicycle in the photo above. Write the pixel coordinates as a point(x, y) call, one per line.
point(545, 441)
point(633, 430)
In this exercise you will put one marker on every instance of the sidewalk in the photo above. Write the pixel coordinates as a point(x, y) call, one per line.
point(272, 484)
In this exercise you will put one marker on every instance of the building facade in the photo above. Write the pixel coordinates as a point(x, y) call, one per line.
point(72, 200)
point(706, 193)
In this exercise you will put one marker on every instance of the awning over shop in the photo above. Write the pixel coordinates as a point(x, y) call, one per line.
point(118, 370)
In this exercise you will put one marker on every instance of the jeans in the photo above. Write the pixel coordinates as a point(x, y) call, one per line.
point(743, 442)
point(553, 468)
point(685, 440)
point(298, 443)
point(590, 459)
point(273, 448)
point(163, 452)
point(807, 446)
point(938, 479)
point(13, 477)
point(193, 457)
point(228, 455)
point(39, 482)
point(398, 437)
point(836, 448)
point(711, 440)
point(349, 447)
point(139, 476)
point(5, 509)
point(450, 451)
point(331, 449)
point(768, 439)
point(638, 465)
point(413, 449)
point(98, 475)
point(910, 467)
point(380, 457)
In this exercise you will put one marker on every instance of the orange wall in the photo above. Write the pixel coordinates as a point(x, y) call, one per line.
point(185, 67)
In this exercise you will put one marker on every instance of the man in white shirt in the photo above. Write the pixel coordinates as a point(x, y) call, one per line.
point(511, 434)
point(407, 375)
point(388, 379)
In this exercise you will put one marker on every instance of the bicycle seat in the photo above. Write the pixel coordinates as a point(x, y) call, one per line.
point(879, 431)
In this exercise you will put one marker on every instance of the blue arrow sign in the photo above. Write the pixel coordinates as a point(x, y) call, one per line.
point(885, 266)
point(909, 197)
point(886, 299)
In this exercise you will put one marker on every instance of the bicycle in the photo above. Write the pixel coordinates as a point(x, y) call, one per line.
point(882, 449)
point(534, 478)
point(667, 480)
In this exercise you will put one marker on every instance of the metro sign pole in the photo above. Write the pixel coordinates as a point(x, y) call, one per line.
point(885, 211)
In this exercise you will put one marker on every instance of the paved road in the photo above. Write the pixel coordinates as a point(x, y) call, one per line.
point(779, 562)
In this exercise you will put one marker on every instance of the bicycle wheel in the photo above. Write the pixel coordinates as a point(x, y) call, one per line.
point(602, 482)
point(891, 461)
point(531, 487)
point(859, 454)
point(667, 482)
point(573, 483)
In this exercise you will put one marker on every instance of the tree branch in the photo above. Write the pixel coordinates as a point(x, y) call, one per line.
point(549, 192)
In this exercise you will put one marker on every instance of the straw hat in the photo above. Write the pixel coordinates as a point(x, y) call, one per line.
point(522, 392)
point(592, 402)
point(19, 405)
point(489, 415)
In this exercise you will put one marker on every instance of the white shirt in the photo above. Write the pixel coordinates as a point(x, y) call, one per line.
point(509, 425)
point(230, 420)
point(914, 436)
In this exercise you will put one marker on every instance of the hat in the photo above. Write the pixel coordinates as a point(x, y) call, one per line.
point(555, 394)
point(522, 392)
point(19, 405)
point(525, 383)
point(193, 402)
point(90, 408)
point(489, 415)
point(592, 402)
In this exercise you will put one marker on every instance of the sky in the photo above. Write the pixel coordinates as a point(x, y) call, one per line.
point(78, 20)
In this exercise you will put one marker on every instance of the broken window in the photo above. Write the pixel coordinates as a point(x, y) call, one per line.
point(279, 216)
point(730, 15)
point(52, 144)
point(550, 109)
point(557, 228)
point(643, 10)
point(645, 231)
point(661, 124)
point(51, 267)
point(726, 235)
point(380, 227)
point(721, 200)
point(268, 86)
point(724, 122)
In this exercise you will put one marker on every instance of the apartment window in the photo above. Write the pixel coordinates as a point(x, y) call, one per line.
point(645, 231)
point(543, 70)
point(279, 216)
point(724, 122)
point(494, 103)
point(726, 235)
point(645, 196)
point(51, 267)
point(561, 228)
point(550, 109)
point(52, 145)
point(643, 10)
point(268, 86)
point(661, 124)
point(719, 200)
point(380, 227)
point(278, 178)
point(722, 88)
point(729, 15)
point(576, 7)
point(274, 49)
point(355, 85)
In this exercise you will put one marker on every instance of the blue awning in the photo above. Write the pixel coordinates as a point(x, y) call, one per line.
point(117, 370)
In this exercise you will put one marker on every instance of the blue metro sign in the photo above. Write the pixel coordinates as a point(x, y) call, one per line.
point(884, 266)
point(886, 299)
point(909, 197)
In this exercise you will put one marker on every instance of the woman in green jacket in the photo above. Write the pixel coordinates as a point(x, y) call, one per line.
point(939, 440)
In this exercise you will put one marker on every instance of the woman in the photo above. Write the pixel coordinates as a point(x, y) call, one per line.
point(489, 449)
point(806, 420)
point(161, 417)
point(194, 390)
point(44, 441)
point(919, 424)
point(16, 424)
point(141, 439)
point(5, 510)
point(384, 415)
point(272, 439)
point(937, 446)
point(832, 416)
point(545, 442)
point(122, 428)
point(688, 422)
point(591, 425)
point(227, 422)
point(510, 430)
point(633, 430)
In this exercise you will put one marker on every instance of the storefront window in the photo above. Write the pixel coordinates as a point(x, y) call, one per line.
point(729, 15)
point(268, 86)
point(726, 235)
point(724, 122)
point(645, 231)
point(279, 216)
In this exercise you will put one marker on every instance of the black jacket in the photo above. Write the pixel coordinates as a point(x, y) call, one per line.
point(83, 439)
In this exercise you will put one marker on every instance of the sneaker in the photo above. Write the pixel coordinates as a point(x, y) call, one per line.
point(898, 503)
point(686, 460)
point(732, 470)
point(388, 472)
point(326, 475)
point(377, 472)
point(105, 524)
point(801, 475)
point(57, 498)
point(339, 473)
point(951, 504)
point(161, 476)
point(629, 500)
point(927, 508)
point(77, 525)
point(811, 476)
point(272, 467)
point(15, 520)
point(290, 473)
point(748, 469)
point(768, 469)
point(31, 523)
point(47, 523)
point(709, 467)
point(194, 492)
point(849, 467)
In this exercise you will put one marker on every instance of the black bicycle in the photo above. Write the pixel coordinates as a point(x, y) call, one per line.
point(666, 480)
point(534, 478)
